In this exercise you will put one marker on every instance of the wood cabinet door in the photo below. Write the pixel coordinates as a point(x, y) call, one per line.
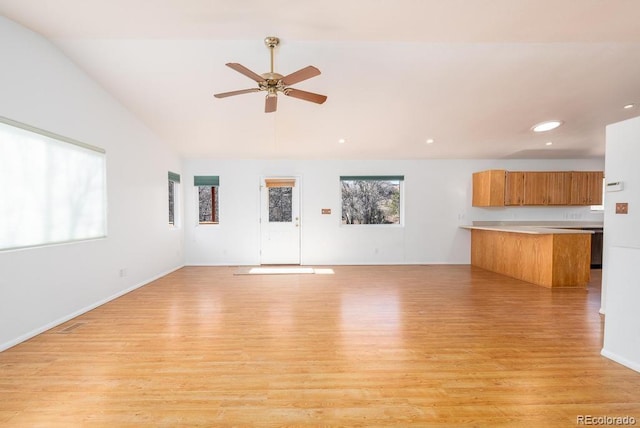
point(586, 188)
point(595, 185)
point(514, 188)
point(579, 188)
point(535, 188)
point(558, 188)
point(488, 188)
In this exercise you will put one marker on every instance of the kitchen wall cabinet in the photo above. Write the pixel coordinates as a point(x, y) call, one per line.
point(514, 188)
point(495, 188)
point(547, 188)
point(586, 188)
point(559, 186)
point(488, 188)
point(535, 192)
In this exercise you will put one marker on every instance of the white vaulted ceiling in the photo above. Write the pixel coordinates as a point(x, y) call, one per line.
point(474, 75)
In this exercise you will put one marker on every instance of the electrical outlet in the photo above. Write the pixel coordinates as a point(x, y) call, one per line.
point(123, 272)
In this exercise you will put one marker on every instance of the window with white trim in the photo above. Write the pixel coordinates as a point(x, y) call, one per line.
point(208, 198)
point(174, 189)
point(371, 199)
point(54, 188)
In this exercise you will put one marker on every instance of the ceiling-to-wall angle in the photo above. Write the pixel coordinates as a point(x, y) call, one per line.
point(272, 82)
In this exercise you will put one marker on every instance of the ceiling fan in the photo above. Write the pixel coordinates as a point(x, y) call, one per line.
point(272, 83)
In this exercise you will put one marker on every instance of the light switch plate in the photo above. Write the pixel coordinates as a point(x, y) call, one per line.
point(622, 208)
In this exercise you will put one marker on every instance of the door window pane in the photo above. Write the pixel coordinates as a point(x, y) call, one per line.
point(280, 204)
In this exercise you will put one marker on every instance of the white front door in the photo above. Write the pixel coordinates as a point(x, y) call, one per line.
point(280, 220)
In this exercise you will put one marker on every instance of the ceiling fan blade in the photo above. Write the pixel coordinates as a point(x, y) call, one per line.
point(271, 103)
point(232, 93)
point(304, 95)
point(244, 70)
point(300, 75)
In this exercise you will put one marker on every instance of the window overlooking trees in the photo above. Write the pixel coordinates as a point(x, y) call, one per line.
point(208, 211)
point(174, 180)
point(371, 199)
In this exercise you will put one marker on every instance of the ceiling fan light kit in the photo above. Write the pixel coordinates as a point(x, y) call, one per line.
point(273, 82)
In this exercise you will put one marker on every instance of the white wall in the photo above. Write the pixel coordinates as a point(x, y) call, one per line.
point(42, 287)
point(437, 199)
point(621, 256)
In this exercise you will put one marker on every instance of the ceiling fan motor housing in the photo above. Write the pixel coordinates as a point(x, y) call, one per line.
point(272, 81)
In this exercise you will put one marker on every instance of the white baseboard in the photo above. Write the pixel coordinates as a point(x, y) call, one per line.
point(52, 324)
point(338, 264)
point(620, 360)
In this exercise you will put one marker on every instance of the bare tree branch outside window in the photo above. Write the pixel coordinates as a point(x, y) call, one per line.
point(171, 202)
point(208, 211)
point(280, 204)
point(370, 201)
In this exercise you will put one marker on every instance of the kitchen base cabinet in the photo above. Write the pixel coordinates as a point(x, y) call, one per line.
point(551, 260)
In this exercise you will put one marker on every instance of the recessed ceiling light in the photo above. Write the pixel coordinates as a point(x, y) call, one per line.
point(548, 143)
point(430, 140)
point(342, 141)
point(546, 126)
point(628, 106)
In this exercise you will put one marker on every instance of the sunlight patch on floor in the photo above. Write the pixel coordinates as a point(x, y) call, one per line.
point(282, 270)
point(279, 270)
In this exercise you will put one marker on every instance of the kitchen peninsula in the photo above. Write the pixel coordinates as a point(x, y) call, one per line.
point(548, 254)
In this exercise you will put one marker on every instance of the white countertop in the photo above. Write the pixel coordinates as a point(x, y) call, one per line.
point(537, 228)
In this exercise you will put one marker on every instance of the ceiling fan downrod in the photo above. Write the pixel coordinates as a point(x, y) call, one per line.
point(271, 43)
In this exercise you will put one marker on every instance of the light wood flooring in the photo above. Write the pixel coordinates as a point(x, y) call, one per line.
point(366, 346)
